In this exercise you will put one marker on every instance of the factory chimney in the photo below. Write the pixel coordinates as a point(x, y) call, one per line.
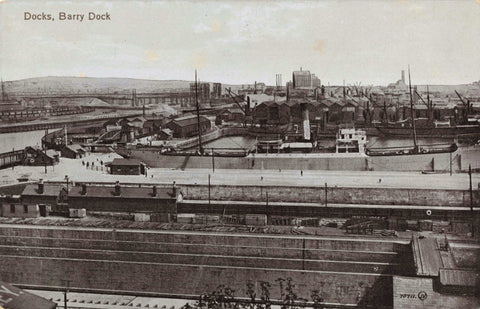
point(84, 189)
point(403, 76)
point(40, 186)
point(117, 188)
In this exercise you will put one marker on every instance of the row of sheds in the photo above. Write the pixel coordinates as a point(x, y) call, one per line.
point(341, 110)
point(40, 199)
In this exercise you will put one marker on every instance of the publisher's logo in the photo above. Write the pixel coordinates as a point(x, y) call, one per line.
point(422, 295)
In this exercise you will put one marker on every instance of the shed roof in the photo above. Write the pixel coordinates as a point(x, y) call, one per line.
point(189, 120)
point(125, 192)
point(48, 190)
point(457, 277)
point(167, 131)
point(125, 162)
point(21, 299)
point(51, 153)
point(75, 148)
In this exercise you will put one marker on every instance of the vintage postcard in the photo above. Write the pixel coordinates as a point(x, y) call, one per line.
point(239, 154)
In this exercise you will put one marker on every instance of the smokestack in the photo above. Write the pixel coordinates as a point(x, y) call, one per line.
point(306, 121)
point(84, 189)
point(174, 190)
point(40, 186)
point(247, 111)
point(154, 191)
point(117, 188)
point(403, 76)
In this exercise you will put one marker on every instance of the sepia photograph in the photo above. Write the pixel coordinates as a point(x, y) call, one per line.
point(219, 154)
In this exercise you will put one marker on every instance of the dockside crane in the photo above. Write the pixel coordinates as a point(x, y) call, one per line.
point(244, 109)
point(467, 105)
point(234, 97)
point(430, 106)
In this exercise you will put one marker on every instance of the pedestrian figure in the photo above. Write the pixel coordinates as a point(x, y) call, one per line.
point(83, 162)
point(301, 172)
point(379, 180)
point(101, 162)
point(88, 164)
point(261, 178)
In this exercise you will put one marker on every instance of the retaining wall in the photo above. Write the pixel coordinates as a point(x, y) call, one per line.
point(234, 240)
point(189, 279)
point(208, 249)
point(340, 195)
point(202, 259)
point(153, 261)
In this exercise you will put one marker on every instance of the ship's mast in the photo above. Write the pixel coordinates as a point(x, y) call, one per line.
point(200, 147)
point(411, 113)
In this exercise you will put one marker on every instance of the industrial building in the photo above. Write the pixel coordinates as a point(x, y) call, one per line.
point(38, 156)
point(202, 91)
point(127, 199)
point(73, 151)
point(126, 167)
point(188, 126)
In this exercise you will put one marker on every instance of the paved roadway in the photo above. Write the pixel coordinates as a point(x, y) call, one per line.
point(77, 172)
point(315, 178)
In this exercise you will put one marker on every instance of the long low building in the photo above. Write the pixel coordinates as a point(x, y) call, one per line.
point(152, 200)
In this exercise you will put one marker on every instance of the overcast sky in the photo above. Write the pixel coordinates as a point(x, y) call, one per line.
point(242, 42)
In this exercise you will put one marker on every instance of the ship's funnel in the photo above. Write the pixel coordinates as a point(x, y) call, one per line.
point(306, 121)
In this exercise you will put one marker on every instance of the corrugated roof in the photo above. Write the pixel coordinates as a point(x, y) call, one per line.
point(20, 299)
point(457, 277)
point(167, 131)
point(127, 162)
point(186, 121)
point(48, 190)
point(75, 147)
point(125, 192)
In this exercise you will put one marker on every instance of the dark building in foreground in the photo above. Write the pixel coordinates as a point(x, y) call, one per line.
point(47, 196)
point(151, 200)
point(36, 200)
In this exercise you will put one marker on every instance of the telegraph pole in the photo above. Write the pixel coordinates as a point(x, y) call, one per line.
point(450, 164)
point(209, 189)
point(213, 160)
point(326, 204)
point(471, 189)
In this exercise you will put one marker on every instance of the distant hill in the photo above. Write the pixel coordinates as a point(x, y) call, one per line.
point(72, 85)
point(54, 84)
point(92, 84)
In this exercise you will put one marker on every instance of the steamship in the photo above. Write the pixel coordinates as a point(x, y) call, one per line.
point(350, 153)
